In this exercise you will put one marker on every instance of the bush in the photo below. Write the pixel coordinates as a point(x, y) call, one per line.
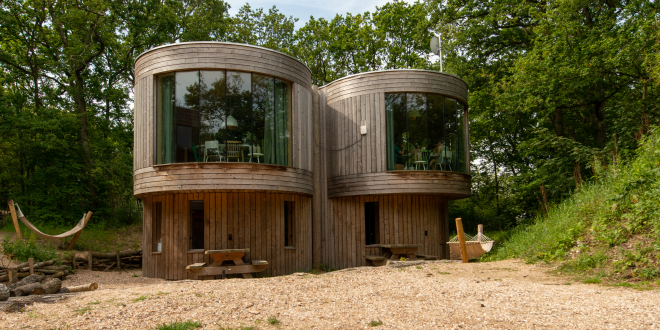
point(22, 250)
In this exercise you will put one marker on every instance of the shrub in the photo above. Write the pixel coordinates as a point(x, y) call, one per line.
point(22, 250)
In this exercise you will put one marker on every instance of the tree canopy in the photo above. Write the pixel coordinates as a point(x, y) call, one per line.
point(556, 88)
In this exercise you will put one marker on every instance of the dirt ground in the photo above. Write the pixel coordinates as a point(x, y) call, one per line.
point(496, 295)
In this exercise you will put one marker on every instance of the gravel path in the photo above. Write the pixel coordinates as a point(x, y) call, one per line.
point(497, 295)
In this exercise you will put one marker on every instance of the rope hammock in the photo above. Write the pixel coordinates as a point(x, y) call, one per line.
point(74, 231)
point(476, 246)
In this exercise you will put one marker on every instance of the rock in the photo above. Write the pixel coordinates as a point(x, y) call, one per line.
point(27, 280)
point(4, 292)
point(52, 285)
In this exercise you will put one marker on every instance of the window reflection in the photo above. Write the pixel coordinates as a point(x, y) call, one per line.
point(424, 132)
point(207, 116)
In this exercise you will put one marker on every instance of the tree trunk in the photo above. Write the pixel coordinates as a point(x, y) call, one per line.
point(601, 125)
point(34, 288)
point(52, 285)
point(81, 107)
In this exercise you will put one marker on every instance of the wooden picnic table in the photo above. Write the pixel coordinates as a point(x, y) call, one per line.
point(393, 252)
point(219, 257)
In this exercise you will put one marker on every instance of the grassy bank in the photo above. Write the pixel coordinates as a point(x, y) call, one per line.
point(92, 238)
point(608, 231)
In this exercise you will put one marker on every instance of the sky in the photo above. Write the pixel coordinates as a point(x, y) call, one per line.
point(317, 8)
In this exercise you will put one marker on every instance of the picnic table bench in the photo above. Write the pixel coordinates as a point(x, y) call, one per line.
point(233, 256)
point(396, 252)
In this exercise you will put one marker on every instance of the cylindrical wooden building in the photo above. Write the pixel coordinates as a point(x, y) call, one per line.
point(223, 156)
point(396, 150)
point(235, 149)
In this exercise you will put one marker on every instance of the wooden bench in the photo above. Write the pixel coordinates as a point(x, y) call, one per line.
point(426, 257)
point(375, 260)
point(234, 256)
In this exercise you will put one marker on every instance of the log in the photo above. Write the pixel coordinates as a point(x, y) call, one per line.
point(52, 285)
point(17, 266)
point(82, 288)
point(27, 280)
point(4, 292)
point(114, 255)
point(37, 265)
point(33, 288)
point(49, 271)
point(31, 265)
point(461, 240)
point(59, 274)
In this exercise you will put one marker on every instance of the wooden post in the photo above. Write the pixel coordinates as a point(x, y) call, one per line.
point(317, 181)
point(10, 276)
point(480, 233)
point(89, 259)
point(12, 209)
point(118, 261)
point(31, 264)
point(461, 239)
point(75, 237)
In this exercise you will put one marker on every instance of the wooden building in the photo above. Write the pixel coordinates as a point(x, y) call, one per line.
point(235, 148)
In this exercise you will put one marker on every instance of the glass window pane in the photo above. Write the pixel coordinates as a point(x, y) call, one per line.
point(451, 134)
point(165, 119)
point(460, 146)
point(395, 111)
point(187, 116)
point(283, 123)
point(263, 114)
point(417, 139)
point(212, 114)
point(436, 130)
point(239, 121)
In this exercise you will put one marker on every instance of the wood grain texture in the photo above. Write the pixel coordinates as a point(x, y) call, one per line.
point(397, 81)
point(449, 184)
point(222, 55)
point(418, 219)
point(219, 177)
point(265, 210)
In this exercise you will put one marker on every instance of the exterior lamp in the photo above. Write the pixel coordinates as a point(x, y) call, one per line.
point(232, 123)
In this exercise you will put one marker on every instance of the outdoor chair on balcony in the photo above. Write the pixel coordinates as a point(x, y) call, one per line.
point(212, 151)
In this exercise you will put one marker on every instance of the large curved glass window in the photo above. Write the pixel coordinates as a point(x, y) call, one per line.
point(222, 116)
point(425, 132)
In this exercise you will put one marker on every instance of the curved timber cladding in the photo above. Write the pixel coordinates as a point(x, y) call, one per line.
point(218, 177)
point(220, 56)
point(254, 220)
point(448, 184)
point(350, 158)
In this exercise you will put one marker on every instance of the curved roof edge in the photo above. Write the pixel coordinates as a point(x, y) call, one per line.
point(219, 43)
point(393, 70)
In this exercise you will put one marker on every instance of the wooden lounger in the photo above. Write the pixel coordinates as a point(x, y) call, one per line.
point(200, 270)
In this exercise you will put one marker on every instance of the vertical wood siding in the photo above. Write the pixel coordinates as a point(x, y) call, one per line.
point(255, 220)
point(404, 219)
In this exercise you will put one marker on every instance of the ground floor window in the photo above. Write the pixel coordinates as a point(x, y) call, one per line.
point(156, 225)
point(197, 225)
point(289, 225)
point(371, 231)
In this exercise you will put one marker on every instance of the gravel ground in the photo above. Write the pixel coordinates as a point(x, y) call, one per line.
point(496, 295)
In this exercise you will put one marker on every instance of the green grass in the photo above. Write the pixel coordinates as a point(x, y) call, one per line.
point(375, 323)
point(92, 238)
point(608, 229)
point(273, 320)
point(239, 328)
point(180, 325)
point(82, 310)
point(141, 298)
point(444, 273)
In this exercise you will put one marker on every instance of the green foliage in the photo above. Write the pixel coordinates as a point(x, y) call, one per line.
point(609, 224)
point(375, 323)
point(187, 325)
point(23, 249)
point(272, 320)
